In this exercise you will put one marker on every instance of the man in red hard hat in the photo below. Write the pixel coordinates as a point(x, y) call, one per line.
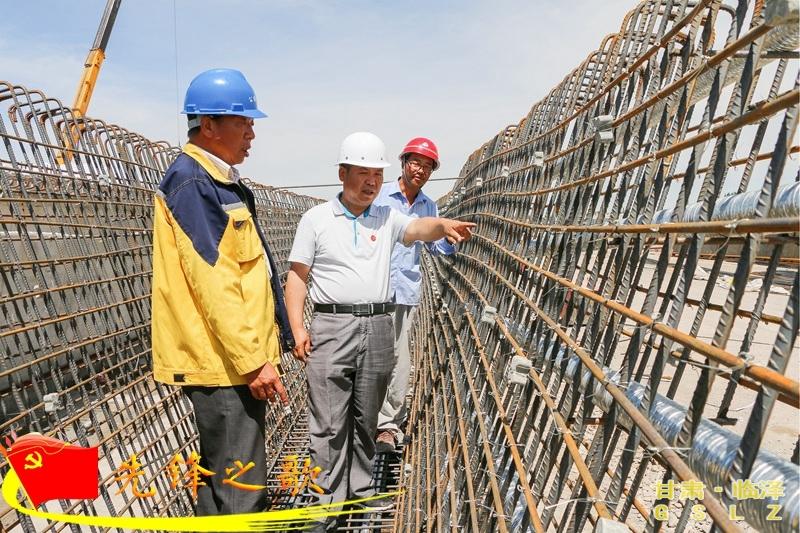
point(419, 159)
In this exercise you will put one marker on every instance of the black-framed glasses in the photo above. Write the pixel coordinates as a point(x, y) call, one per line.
point(416, 165)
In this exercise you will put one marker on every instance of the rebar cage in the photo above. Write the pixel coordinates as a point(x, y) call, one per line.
point(76, 197)
point(623, 323)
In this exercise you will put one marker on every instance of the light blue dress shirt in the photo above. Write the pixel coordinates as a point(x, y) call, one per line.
point(405, 260)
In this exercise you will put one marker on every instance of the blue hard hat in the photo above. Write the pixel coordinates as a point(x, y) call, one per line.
point(221, 91)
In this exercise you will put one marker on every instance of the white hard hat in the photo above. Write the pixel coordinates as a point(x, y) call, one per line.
point(363, 149)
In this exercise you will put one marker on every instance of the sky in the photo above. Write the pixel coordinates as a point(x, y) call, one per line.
point(458, 72)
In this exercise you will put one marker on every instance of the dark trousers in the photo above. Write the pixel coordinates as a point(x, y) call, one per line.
point(230, 423)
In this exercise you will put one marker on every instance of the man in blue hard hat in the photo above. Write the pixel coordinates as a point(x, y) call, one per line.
point(219, 324)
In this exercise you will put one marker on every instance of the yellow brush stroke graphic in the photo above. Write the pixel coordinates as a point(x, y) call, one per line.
point(266, 521)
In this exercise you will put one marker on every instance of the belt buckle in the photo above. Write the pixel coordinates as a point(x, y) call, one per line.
point(362, 309)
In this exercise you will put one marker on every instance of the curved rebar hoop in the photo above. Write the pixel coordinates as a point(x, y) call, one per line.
point(625, 316)
point(630, 289)
point(75, 262)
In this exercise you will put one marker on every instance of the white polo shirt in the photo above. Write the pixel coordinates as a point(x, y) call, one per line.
point(350, 257)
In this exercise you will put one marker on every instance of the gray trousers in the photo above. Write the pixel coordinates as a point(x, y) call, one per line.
point(393, 412)
point(231, 427)
point(348, 372)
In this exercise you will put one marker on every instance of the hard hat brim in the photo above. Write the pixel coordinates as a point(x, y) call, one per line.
point(249, 113)
point(253, 113)
point(362, 164)
point(435, 161)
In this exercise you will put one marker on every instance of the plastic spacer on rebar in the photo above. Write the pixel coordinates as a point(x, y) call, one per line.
point(518, 370)
point(488, 315)
point(603, 126)
point(51, 404)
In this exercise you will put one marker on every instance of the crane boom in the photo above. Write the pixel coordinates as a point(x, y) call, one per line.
point(95, 58)
point(71, 133)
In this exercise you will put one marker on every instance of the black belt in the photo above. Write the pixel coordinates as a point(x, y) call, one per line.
point(355, 309)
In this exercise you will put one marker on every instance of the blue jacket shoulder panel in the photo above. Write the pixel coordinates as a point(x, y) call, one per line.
point(196, 205)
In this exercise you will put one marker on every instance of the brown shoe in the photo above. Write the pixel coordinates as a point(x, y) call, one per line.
point(378, 504)
point(385, 442)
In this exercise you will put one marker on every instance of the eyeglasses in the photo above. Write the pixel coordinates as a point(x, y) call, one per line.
point(416, 165)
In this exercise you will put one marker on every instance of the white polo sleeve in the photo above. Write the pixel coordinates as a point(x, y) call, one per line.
point(305, 241)
point(399, 222)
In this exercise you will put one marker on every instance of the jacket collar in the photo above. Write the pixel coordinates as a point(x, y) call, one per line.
point(207, 161)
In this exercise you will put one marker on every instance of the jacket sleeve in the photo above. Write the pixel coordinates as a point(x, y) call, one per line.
point(207, 245)
point(281, 315)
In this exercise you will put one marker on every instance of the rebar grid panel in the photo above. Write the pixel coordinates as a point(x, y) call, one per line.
point(386, 478)
point(75, 258)
point(626, 313)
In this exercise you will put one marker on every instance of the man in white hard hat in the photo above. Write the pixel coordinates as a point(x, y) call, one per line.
point(346, 245)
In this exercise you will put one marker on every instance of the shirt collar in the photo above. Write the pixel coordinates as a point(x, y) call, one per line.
point(224, 168)
point(340, 209)
point(393, 189)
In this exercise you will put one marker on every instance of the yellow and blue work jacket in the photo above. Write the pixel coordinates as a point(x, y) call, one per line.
point(217, 314)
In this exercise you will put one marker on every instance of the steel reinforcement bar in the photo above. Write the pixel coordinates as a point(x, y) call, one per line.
point(75, 262)
point(622, 328)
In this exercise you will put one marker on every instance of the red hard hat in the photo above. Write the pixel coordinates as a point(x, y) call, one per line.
point(422, 146)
